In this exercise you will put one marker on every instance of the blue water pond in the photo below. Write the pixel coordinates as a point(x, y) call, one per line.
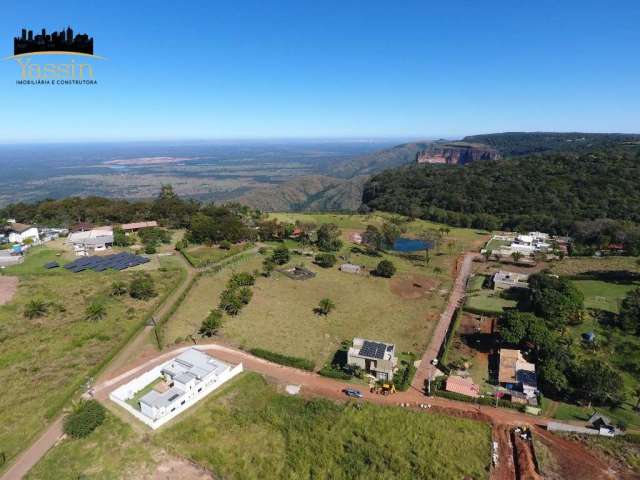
point(410, 245)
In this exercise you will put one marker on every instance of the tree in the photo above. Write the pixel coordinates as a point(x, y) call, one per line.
point(325, 260)
point(629, 318)
point(95, 311)
point(230, 301)
point(517, 256)
point(329, 238)
point(514, 326)
point(386, 269)
point(118, 288)
point(552, 380)
point(280, 255)
point(120, 238)
point(372, 238)
point(241, 279)
point(325, 306)
point(211, 324)
point(142, 286)
point(245, 295)
point(268, 265)
point(390, 233)
point(150, 248)
point(596, 381)
point(85, 418)
point(36, 308)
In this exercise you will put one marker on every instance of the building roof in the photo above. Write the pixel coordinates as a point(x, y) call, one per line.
point(195, 363)
point(510, 277)
point(462, 386)
point(19, 227)
point(138, 225)
point(372, 349)
point(349, 267)
point(511, 363)
point(159, 400)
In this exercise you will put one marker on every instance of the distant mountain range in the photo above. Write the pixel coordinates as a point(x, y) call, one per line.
point(341, 186)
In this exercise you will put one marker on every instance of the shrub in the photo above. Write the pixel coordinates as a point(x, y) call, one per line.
point(296, 362)
point(142, 286)
point(325, 306)
point(211, 324)
point(386, 269)
point(325, 260)
point(281, 255)
point(118, 288)
point(225, 245)
point(332, 372)
point(230, 301)
point(402, 379)
point(95, 311)
point(84, 419)
point(36, 308)
point(267, 267)
point(242, 279)
point(150, 248)
point(245, 295)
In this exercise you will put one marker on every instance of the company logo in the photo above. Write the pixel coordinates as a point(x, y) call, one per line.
point(27, 49)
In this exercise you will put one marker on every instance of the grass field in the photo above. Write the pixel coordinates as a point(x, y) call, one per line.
point(488, 301)
point(602, 295)
point(112, 451)
point(248, 431)
point(280, 317)
point(578, 265)
point(201, 255)
point(45, 360)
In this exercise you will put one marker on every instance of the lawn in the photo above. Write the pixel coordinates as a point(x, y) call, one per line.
point(249, 431)
point(43, 361)
point(112, 451)
point(578, 265)
point(488, 301)
point(202, 255)
point(602, 295)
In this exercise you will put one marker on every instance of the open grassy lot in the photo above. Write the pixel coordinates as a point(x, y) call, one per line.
point(202, 255)
point(44, 360)
point(602, 295)
point(488, 301)
point(112, 451)
point(249, 431)
point(579, 265)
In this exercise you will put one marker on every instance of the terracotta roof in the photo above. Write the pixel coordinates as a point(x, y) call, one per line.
point(138, 225)
point(19, 227)
point(462, 386)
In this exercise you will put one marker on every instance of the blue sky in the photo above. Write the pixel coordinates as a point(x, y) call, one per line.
point(206, 70)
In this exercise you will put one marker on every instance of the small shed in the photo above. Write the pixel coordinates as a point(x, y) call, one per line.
point(589, 337)
point(350, 268)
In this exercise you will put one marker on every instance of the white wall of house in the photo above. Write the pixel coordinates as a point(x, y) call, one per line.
point(128, 390)
point(31, 233)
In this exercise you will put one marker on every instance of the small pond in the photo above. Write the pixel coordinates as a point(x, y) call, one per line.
point(410, 245)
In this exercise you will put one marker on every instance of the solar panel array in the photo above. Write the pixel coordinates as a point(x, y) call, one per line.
point(51, 265)
point(118, 261)
point(373, 349)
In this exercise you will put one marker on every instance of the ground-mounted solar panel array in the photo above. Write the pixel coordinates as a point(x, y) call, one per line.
point(373, 349)
point(118, 261)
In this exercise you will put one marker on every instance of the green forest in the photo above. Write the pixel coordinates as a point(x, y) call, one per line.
point(550, 193)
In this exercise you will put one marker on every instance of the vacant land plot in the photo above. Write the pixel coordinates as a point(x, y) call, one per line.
point(578, 265)
point(8, 288)
point(248, 430)
point(488, 301)
point(45, 359)
point(201, 255)
point(602, 295)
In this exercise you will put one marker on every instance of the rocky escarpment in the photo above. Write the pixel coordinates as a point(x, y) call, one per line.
point(457, 153)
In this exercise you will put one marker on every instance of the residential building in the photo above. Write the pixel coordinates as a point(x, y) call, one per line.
point(173, 386)
point(19, 233)
point(463, 386)
point(516, 373)
point(94, 240)
point(503, 280)
point(376, 358)
point(134, 227)
point(603, 424)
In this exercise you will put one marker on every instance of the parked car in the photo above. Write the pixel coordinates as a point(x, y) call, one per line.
point(350, 392)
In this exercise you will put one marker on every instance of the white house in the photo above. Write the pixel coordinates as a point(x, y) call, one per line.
point(19, 232)
point(174, 386)
point(504, 280)
point(377, 358)
point(97, 239)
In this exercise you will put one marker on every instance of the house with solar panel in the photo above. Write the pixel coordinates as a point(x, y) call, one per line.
point(376, 358)
point(162, 393)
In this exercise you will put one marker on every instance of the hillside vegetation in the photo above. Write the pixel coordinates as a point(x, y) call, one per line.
point(549, 192)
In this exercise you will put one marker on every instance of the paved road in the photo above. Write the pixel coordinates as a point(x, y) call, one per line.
point(426, 369)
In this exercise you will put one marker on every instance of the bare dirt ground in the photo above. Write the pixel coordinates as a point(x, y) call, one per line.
point(525, 461)
point(504, 469)
point(413, 286)
point(174, 467)
point(8, 288)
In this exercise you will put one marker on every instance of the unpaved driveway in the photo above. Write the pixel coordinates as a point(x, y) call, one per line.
point(8, 288)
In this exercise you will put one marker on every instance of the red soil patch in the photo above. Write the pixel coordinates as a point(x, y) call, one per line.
point(8, 288)
point(412, 286)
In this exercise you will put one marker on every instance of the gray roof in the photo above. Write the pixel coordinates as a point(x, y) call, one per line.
point(184, 377)
point(158, 400)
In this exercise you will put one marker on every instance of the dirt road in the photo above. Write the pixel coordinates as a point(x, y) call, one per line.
point(426, 369)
